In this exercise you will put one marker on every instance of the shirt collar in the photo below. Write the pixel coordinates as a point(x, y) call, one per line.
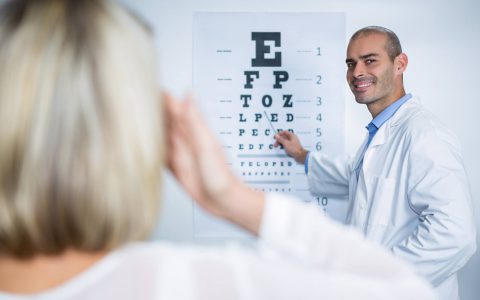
point(388, 112)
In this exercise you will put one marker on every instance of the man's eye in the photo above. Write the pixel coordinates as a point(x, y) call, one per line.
point(349, 65)
point(369, 61)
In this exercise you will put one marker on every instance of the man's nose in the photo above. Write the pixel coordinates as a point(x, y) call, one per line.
point(358, 71)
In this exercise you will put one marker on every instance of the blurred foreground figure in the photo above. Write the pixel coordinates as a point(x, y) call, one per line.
point(81, 156)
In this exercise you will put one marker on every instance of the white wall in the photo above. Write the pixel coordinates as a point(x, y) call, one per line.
point(440, 37)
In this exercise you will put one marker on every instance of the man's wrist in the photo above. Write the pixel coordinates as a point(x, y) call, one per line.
point(301, 156)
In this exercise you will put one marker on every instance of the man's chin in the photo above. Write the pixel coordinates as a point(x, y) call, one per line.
point(362, 99)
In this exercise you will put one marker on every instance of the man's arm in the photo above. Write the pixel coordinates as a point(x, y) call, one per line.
point(326, 175)
point(329, 175)
point(292, 145)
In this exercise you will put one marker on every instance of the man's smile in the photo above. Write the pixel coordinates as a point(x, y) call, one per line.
point(362, 85)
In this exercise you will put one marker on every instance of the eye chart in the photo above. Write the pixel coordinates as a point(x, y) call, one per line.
point(259, 73)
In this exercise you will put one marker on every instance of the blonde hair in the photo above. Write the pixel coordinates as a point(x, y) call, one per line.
point(81, 135)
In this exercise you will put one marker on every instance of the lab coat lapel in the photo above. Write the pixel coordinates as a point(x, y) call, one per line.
point(360, 152)
point(380, 138)
point(383, 133)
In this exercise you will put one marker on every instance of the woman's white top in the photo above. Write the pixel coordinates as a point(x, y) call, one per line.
point(302, 255)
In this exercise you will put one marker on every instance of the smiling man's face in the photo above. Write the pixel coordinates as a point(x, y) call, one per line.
point(370, 72)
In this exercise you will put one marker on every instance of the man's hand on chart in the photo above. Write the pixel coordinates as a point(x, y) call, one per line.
point(292, 145)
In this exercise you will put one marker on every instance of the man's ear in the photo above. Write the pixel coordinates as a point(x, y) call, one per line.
point(400, 63)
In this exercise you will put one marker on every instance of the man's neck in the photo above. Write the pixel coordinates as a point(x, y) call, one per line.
point(378, 106)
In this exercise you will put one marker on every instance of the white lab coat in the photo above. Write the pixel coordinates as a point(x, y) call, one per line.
point(412, 194)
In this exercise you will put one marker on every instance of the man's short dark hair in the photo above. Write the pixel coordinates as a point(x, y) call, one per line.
point(392, 46)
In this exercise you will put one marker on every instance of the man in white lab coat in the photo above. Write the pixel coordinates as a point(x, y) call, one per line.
point(407, 185)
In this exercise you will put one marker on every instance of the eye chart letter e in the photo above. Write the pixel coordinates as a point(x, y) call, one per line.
point(256, 74)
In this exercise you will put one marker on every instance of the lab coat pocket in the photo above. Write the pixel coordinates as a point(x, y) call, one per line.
point(381, 195)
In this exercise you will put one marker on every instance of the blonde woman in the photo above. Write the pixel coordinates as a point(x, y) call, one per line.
point(82, 149)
